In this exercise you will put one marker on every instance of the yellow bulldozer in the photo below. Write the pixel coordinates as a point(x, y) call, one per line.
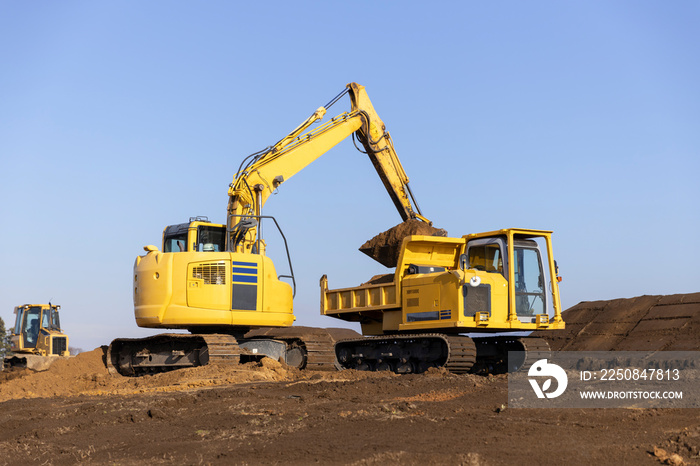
point(36, 340)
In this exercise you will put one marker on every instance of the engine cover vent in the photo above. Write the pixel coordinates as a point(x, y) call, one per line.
point(211, 274)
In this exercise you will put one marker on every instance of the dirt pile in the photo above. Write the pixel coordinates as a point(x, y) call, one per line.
point(644, 323)
point(86, 374)
point(386, 246)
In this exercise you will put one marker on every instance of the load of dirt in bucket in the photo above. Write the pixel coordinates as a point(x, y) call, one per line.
point(644, 323)
point(385, 248)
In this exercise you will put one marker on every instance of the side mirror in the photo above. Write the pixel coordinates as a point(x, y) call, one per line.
point(463, 262)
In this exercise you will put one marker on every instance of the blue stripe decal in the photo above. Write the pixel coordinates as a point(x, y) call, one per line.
point(242, 270)
point(245, 278)
point(245, 264)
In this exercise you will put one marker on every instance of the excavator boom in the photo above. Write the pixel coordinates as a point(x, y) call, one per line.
point(263, 172)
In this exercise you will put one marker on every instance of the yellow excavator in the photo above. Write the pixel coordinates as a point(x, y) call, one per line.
point(215, 280)
point(36, 340)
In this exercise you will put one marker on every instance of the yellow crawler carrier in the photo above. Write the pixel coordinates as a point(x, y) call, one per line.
point(492, 282)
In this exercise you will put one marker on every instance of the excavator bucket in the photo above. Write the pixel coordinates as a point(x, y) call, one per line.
point(385, 248)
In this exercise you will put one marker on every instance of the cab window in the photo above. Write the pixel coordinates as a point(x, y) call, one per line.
point(487, 257)
point(175, 243)
point(30, 329)
point(18, 321)
point(529, 282)
point(55, 321)
point(210, 239)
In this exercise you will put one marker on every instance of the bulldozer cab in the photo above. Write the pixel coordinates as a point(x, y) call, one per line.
point(38, 330)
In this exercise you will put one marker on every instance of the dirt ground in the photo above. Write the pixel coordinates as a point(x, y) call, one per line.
point(269, 414)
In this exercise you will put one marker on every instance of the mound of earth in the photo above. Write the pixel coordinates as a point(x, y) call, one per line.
point(86, 374)
point(644, 323)
point(385, 248)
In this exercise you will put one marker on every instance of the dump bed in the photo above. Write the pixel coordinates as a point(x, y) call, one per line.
point(361, 298)
point(416, 251)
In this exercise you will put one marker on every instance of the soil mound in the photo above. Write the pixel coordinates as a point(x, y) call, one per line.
point(644, 323)
point(86, 374)
point(386, 246)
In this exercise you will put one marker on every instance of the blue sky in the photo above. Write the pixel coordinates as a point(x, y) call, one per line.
point(119, 118)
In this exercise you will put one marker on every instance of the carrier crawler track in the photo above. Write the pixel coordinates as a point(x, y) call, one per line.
point(462, 354)
point(508, 354)
point(407, 353)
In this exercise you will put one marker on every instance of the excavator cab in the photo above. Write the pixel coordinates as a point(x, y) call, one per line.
point(223, 289)
point(196, 235)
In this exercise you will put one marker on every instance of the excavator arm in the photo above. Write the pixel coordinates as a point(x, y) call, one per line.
point(261, 173)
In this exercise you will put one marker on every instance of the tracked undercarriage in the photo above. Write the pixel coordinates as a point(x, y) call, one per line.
point(300, 348)
point(405, 354)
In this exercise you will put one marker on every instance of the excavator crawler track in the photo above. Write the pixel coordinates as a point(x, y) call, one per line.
point(314, 344)
point(303, 349)
point(166, 352)
point(221, 349)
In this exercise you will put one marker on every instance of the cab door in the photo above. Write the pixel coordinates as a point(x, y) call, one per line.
point(530, 299)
